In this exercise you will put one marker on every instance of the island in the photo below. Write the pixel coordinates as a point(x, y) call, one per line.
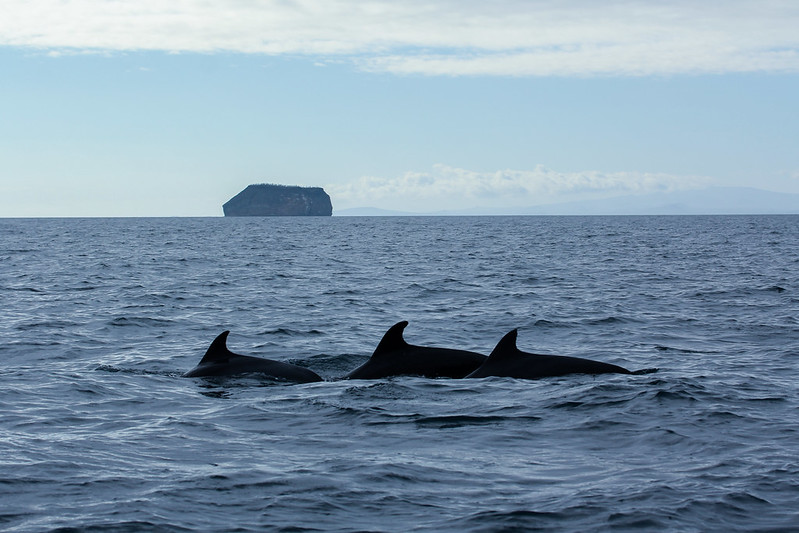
point(266, 199)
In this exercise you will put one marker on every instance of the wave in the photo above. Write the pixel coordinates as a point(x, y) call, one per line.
point(458, 421)
point(60, 324)
point(139, 321)
point(23, 289)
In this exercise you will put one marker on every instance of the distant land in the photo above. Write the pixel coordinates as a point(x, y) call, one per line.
point(267, 199)
point(711, 201)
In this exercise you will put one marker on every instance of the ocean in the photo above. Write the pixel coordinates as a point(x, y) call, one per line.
point(99, 431)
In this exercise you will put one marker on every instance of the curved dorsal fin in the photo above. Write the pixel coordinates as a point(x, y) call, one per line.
point(506, 347)
point(392, 340)
point(218, 350)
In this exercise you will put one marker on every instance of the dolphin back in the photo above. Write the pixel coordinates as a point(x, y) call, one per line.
point(219, 361)
point(395, 357)
point(506, 360)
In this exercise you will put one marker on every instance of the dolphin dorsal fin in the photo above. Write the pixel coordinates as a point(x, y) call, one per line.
point(506, 347)
point(392, 340)
point(218, 350)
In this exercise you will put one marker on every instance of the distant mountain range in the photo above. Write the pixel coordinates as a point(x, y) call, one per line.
point(711, 201)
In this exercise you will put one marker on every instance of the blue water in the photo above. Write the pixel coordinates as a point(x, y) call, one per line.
point(100, 318)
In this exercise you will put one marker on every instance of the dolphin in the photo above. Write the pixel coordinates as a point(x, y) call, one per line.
point(395, 357)
point(219, 361)
point(506, 360)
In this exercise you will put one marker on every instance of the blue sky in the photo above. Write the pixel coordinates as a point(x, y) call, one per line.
point(170, 108)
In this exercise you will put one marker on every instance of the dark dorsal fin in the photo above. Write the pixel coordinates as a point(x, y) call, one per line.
point(392, 340)
point(506, 347)
point(218, 350)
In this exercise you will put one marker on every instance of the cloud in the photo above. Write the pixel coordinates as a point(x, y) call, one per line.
point(434, 37)
point(448, 188)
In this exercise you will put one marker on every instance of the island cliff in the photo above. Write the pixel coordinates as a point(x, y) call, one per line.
point(279, 200)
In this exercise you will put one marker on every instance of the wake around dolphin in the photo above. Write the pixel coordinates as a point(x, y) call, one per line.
point(506, 360)
point(395, 357)
point(219, 361)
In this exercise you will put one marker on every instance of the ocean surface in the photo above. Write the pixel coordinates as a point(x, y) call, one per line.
point(100, 317)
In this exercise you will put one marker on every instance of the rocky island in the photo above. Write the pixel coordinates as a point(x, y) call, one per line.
point(265, 200)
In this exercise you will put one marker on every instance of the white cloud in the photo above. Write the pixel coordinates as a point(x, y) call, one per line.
point(448, 188)
point(451, 37)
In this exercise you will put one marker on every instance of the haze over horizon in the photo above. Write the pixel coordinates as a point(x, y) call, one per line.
point(153, 109)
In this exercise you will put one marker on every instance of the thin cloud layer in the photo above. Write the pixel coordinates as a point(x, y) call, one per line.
point(433, 37)
point(446, 188)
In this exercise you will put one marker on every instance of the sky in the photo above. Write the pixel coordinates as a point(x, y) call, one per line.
point(152, 108)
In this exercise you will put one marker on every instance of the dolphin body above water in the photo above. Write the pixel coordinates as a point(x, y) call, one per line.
point(395, 357)
point(506, 360)
point(219, 361)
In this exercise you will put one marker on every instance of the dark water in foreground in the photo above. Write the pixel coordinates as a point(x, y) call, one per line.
point(99, 432)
